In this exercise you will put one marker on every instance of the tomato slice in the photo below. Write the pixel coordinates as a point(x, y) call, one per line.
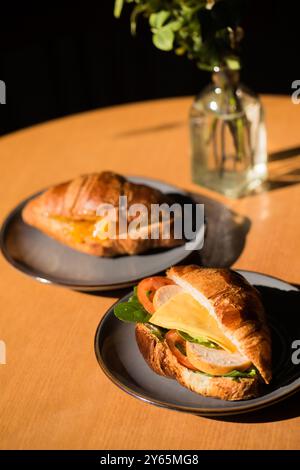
point(176, 343)
point(147, 288)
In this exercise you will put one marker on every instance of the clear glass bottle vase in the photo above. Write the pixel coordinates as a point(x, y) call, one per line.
point(228, 137)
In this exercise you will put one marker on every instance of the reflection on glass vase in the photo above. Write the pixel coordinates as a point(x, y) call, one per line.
point(228, 137)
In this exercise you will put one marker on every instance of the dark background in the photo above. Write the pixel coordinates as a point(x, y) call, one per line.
point(58, 59)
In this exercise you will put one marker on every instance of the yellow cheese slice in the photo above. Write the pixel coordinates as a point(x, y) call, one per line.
point(183, 312)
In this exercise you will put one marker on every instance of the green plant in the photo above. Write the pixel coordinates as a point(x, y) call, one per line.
point(207, 31)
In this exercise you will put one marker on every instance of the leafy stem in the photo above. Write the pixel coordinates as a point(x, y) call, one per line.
point(207, 31)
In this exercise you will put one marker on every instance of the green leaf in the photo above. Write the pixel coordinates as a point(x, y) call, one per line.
point(210, 37)
point(233, 63)
point(118, 8)
point(163, 39)
point(173, 25)
point(156, 20)
point(242, 374)
point(132, 311)
point(205, 67)
point(235, 374)
point(156, 331)
point(199, 340)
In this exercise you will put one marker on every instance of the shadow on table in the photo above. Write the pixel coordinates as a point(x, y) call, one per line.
point(113, 293)
point(225, 235)
point(286, 409)
point(283, 173)
point(149, 130)
point(284, 154)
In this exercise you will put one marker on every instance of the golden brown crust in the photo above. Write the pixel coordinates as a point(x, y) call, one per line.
point(55, 210)
point(161, 360)
point(238, 309)
point(154, 351)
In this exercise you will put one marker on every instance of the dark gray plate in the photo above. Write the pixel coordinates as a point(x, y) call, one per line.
point(120, 359)
point(48, 261)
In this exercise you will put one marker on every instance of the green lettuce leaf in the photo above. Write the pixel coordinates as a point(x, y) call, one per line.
point(235, 374)
point(238, 373)
point(132, 311)
point(157, 331)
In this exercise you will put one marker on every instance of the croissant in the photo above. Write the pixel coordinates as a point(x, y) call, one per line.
point(67, 212)
point(206, 328)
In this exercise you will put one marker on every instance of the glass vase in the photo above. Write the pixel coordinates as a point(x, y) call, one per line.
point(228, 137)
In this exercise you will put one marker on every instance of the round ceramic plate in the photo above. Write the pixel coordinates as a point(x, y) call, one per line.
point(120, 359)
point(48, 261)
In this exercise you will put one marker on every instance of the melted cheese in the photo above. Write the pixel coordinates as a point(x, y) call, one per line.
point(80, 230)
point(183, 312)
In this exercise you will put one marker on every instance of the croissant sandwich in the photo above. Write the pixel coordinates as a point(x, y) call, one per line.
point(69, 213)
point(203, 327)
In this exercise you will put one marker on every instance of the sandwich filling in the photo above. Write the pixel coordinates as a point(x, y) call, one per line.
point(192, 334)
point(182, 312)
point(81, 230)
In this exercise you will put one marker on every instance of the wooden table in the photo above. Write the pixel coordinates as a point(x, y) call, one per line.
point(53, 393)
